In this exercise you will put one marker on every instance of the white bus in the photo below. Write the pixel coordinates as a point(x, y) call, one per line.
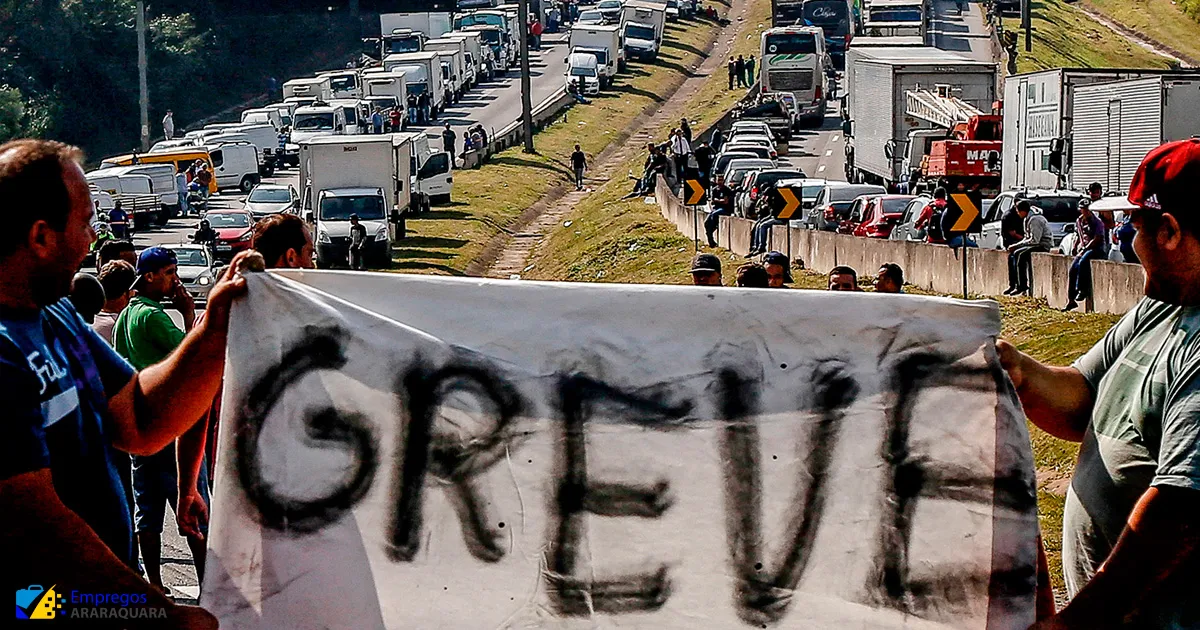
point(794, 60)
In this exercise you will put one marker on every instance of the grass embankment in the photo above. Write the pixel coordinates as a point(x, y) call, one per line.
point(1160, 21)
point(486, 200)
point(1064, 36)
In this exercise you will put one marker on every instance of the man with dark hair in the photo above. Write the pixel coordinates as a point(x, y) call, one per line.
point(284, 242)
point(1131, 522)
point(720, 199)
point(69, 399)
point(116, 250)
point(115, 277)
point(889, 279)
point(930, 218)
point(843, 278)
point(87, 296)
point(706, 270)
point(1092, 243)
point(1037, 238)
point(1095, 191)
point(777, 264)
point(752, 276)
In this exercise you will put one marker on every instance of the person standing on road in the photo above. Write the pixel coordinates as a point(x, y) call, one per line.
point(686, 129)
point(704, 163)
point(449, 138)
point(70, 401)
point(1037, 238)
point(721, 202)
point(1131, 545)
point(412, 111)
point(750, 78)
point(1093, 239)
point(423, 108)
point(168, 125)
point(739, 68)
point(680, 150)
point(578, 165)
point(732, 72)
point(377, 121)
point(181, 190)
point(145, 335)
point(358, 242)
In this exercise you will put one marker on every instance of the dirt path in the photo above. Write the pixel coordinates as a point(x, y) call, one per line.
point(537, 222)
point(1137, 38)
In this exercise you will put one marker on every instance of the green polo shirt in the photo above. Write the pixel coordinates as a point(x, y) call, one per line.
point(144, 333)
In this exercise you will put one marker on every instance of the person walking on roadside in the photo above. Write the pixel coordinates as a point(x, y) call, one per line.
point(739, 68)
point(358, 243)
point(578, 165)
point(144, 335)
point(168, 125)
point(1130, 541)
point(705, 156)
point(1092, 243)
point(750, 71)
point(681, 149)
point(449, 138)
point(721, 202)
point(1037, 238)
point(732, 72)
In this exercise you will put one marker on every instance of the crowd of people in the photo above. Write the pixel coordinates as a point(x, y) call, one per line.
point(92, 372)
point(741, 72)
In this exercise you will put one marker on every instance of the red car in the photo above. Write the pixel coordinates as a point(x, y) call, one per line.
point(880, 214)
point(234, 229)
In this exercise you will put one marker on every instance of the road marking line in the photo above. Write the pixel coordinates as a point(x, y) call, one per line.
point(821, 168)
point(829, 153)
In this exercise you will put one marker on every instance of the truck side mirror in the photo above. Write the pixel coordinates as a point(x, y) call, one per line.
point(889, 149)
point(309, 217)
point(848, 128)
point(1054, 160)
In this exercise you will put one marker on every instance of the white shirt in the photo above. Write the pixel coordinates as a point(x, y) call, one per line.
point(103, 325)
point(680, 146)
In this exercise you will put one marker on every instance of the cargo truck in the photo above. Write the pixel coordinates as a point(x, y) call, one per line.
point(423, 72)
point(343, 83)
point(308, 88)
point(1038, 125)
point(401, 41)
point(603, 42)
point(386, 90)
point(319, 119)
point(478, 53)
point(644, 13)
point(455, 60)
point(1117, 124)
point(503, 47)
point(433, 25)
point(367, 176)
point(877, 88)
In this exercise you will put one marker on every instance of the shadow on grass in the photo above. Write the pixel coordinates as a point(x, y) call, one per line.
point(428, 242)
point(416, 265)
point(522, 162)
point(629, 89)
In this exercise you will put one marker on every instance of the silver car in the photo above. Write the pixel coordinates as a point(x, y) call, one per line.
point(268, 199)
point(196, 269)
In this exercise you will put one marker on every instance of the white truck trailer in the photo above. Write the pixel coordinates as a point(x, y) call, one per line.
point(386, 90)
point(433, 25)
point(479, 52)
point(878, 90)
point(423, 72)
point(314, 88)
point(603, 41)
point(367, 176)
point(1116, 124)
point(1037, 118)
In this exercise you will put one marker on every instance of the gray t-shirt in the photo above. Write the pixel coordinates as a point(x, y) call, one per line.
point(1144, 431)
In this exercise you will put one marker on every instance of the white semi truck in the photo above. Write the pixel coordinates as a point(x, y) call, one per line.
point(603, 41)
point(366, 176)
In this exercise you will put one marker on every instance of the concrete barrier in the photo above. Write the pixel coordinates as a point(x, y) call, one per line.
point(513, 134)
point(1116, 287)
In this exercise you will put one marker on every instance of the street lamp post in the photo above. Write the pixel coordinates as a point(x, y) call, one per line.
point(143, 90)
point(526, 97)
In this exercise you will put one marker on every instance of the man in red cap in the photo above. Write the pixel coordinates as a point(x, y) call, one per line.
point(1131, 524)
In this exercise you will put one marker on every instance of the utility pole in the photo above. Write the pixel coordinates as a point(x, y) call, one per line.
point(526, 98)
point(143, 90)
point(1027, 23)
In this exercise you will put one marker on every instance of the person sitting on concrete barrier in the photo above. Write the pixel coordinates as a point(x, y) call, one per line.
point(843, 278)
point(776, 265)
point(721, 200)
point(706, 270)
point(705, 156)
point(930, 218)
point(760, 233)
point(889, 279)
point(1093, 239)
point(1038, 238)
point(753, 276)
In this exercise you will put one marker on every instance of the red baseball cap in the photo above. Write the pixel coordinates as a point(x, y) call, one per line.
point(1167, 176)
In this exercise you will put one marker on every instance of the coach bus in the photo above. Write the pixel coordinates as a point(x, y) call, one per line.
point(794, 60)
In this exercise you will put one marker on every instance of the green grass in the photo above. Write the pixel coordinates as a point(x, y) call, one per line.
point(488, 199)
point(1161, 21)
point(1064, 36)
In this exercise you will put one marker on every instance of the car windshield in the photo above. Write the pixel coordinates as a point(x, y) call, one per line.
point(1057, 209)
point(894, 206)
point(270, 195)
point(896, 14)
point(228, 220)
point(808, 193)
point(582, 71)
point(473, 19)
point(491, 37)
point(791, 43)
point(191, 257)
point(340, 208)
point(639, 32)
point(672, 4)
point(591, 16)
point(400, 45)
point(601, 54)
point(314, 122)
point(768, 108)
point(848, 193)
point(771, 177)
point(609, 4)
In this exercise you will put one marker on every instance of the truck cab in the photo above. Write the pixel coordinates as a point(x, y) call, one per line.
point(343, 84)
point(402, 41)
point(386, 90)
point(260, 115)
point(499, 42)
point(308, 89)
point(641, 42)
point(318, 119)
point(583, 69)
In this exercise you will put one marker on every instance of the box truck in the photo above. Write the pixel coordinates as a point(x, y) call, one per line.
point(386, 90)
point(423, 72)
point(878, 90)
point(367, 176)
point(479, 52)
point(646, 13)
point(314, 88)
point(343, 83)
point(504, 48)
point(465, 67)
point(433, 25)
point(1116, 124)
point(401, 41)
point(318, 119)
point(1037, 119)
point(604, 42)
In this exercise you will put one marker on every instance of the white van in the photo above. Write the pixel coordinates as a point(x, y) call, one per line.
point(235, 165)
point(260, 115)
point(583, 69)
point(262, 136)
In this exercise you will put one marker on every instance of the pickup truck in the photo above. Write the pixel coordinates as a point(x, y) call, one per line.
point(774, 113)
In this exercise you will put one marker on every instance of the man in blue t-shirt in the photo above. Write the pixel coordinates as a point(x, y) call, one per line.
point(69, 400)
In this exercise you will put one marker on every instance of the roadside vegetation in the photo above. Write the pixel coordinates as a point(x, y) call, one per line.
point(488, 199)
point(1064, 36)
point(1161, 21)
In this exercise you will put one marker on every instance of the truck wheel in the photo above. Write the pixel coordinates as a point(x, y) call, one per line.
point(440, 199)
point(268, 170)
point(247, 183)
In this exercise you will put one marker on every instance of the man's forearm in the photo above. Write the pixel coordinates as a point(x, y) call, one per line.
point(189, 451)
point(1057, 399)
point(1162, 535)
point(168, 398)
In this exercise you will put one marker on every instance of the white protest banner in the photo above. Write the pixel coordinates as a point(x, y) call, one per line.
point(419, 452)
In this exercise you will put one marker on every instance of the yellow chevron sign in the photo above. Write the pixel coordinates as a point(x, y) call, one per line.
point(695, 193)
point(970, 213)
point(790, 201)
